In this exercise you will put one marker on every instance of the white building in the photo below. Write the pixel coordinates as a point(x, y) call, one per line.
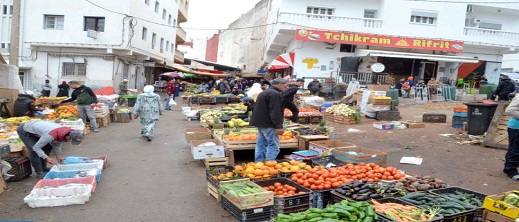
point(511, 63)
point(423, 39)
point(97, 42)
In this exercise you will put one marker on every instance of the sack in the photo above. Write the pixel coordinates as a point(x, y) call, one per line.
point(172, 102)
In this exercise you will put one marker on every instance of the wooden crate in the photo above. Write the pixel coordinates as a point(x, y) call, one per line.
point(103, 121)
point(251, 144)
point(212, 162)
point(497, 133)
point(213, 191)
point(121, 117)
point(489, 216)
point(346, 120)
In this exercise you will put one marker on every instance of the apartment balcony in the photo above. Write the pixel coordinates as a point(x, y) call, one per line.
point(183, 6)
point(181, 36)
point(179, 56)
point(490, 36)
point(331, 22)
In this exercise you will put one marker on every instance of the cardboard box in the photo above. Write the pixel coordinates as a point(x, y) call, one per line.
point(323, 147)
point(411, 125)
point(203, 152)
point(370, 155)
point(197, 134)
point(495, 203)
point(252, 200)
point(304, 141)
point(378, 87)
point(16, 143)
point(384, 125)
point(491, 216)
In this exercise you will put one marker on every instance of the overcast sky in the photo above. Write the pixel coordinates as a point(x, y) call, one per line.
point(214, 14)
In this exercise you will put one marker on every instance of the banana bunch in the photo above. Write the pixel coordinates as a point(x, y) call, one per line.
point(16, 120)
point(237, 122)
point(123, 110)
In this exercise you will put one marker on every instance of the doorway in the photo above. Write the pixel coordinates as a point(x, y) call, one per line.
point(427, 70)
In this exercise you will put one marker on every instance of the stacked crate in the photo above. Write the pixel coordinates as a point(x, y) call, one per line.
point(459, 117)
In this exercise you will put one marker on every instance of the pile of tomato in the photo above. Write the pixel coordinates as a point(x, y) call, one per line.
point(283, 190)
point(320, 178)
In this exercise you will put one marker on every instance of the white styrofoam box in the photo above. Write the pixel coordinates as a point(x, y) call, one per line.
point(96, 164)
point(72, 122)
point(34, 200)
point(16, 143)
point(186, 108)
point(70, 189)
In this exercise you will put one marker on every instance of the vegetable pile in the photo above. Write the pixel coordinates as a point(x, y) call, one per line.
point(310, 132)
point(362, 191)
point(344, 110)
point(283, 190)
point(447, 207)
point(343, 211)
point(239, 189)
point(465, 198)
point(400, 213)
point(420, 183)
point(513, 199)
point(270, 168)
point(303, 112)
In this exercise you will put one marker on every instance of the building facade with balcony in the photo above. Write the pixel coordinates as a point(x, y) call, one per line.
point(181, 35)
point(422, 39)
point(98, 43)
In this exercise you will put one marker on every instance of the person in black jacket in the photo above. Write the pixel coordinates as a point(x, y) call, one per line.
point(63, 89)
point(504, 88)
point(268, 118)
point(85, 98)
point(288, 99)
point(249, 103)
point(24, 106)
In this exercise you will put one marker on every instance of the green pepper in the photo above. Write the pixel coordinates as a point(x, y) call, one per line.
point(312, 215)
point(283, 216)
point(368, 219)
point(330, 215)
point(315, 219)
point(362, 215)
point(348, 208)
point(317, 210)
point(353, 217)
point(329, 220)
point(342, 213)
point(370, 212)
point(344, 202)
point(298, 218)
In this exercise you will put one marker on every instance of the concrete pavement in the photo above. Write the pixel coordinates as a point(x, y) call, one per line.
point(145, 181)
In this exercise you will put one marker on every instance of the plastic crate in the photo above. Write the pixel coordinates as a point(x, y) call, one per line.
point(325, 160)
point(321, 198)
point(255, 214)
point(478, 214)
point(96, 164)
point(91, 180)
point(221, 99)
point(457, 125)
point(21, 168)
point(460, 114)
point(388, 115)
point(291, 209)
point(63, 191)
point(215, 171)
point(34, 199)
point(463, 216)
point(5, 149)
point(73, 173)
point(434, 118)
point(315, 119)
point(303, 120)
point(337, 197)
point(459, 119)
point(384, 218)
point(297, 200)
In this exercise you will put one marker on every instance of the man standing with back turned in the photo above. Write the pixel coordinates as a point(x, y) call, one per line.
point(268, 117)
point(85, 99)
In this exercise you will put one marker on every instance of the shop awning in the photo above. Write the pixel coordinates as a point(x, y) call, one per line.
point(283, 61)
point(180, 67)
point(443, 58)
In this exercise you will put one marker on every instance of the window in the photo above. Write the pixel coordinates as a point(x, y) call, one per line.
point(164, 13)
point(320, 11)
point(348, 48)
point(74, 69)
point(147, 2)
point(423, 17)
point(3, 45)
point(95, 23)
point(153, 40)
point(157, 6)
point(172, 47)
point(144, 33)
point(54, 22)
point(161, 44)
point(169, 19)
point(4, 10)
point(167, 46)
point(488, 25)
point(175, 22)
point(370, 13)
point(11, 10)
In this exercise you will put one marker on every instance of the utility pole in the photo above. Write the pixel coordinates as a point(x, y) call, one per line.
point(15, 34)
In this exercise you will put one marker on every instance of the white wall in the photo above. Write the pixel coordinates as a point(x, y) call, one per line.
point(5, 25)
point(511, 61)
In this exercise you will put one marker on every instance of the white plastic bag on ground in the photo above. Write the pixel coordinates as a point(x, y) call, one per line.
point(315, 101)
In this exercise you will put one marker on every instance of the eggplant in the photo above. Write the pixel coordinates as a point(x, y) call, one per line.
point(375, 196)
point(348, 194)
point(356, 188)
point(354, 196)
point(368, 193)
point(361, 198)
point(363, 191)
point(365, 186)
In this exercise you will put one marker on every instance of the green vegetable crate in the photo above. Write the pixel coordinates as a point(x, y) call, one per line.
point(457, 193)
point(495, 203)
point(343, 211)
point(384, 218)
point(451, 210)
point(213, 172)
point(249, 201)
point(290, 204)
point(265, 213)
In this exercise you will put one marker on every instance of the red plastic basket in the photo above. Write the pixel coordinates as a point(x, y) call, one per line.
point(60, 182)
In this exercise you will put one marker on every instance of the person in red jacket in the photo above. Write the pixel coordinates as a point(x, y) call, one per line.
point(170, 91)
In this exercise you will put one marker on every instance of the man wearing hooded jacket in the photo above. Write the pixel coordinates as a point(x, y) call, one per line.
point(41, 137)
point(504, 88)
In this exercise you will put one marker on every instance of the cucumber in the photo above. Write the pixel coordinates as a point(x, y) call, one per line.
point(411, 201)
point(414, 195)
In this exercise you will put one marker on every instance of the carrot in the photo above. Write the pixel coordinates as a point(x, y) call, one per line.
point(376, 203)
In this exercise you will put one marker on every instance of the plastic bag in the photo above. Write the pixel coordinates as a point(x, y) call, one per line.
point(315, 101)
point(172, 102)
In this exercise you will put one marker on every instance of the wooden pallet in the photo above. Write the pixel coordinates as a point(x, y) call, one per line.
point(103, 121)
point(212, 162)
point(497, 133)
point(213, 191)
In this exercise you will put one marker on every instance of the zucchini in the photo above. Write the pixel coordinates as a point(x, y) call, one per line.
point(414, 195)
point(411, 201)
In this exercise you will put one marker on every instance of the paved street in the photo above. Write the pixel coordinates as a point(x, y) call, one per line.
point(145, 181)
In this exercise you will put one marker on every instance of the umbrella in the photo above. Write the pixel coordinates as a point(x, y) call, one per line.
point(172, 74)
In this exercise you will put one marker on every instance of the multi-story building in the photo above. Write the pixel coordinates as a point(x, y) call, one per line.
point(425, 39)
point(242, 47)
point(97, 42)
point(511, 62)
